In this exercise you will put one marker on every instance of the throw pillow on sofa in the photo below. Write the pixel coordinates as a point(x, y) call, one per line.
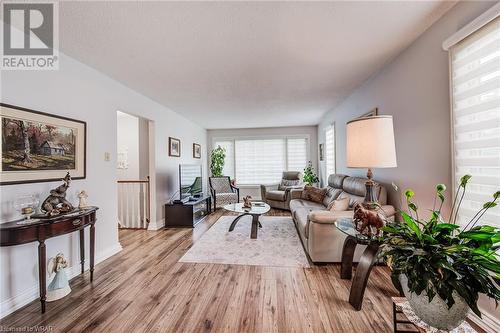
point(314, 194)
point(339, 205)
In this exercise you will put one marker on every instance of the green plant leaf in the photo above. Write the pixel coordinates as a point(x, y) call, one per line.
point(464, 180)
point(409, 194)
point(489, 204)
point(440, 188)
point(445, 226)
point(411, 223)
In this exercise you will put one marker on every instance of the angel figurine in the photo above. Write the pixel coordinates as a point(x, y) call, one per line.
point(83, 199)
point(59, 287)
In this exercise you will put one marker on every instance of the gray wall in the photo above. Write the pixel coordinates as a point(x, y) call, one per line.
point(311, 131)
point(414, 88)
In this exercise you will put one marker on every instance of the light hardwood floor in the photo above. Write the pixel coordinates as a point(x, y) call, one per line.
point(145, 289)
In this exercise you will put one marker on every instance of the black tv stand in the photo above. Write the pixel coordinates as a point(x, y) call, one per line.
point(188, 213)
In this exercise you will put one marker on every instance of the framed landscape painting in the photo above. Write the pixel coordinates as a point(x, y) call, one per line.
point(40, 147)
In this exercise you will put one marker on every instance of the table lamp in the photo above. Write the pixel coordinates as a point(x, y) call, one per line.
point(370, 144)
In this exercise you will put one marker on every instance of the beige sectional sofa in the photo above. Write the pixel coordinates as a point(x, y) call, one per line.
point(315, 224)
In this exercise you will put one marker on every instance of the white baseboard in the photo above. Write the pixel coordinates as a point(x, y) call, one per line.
point(32, 293)
point(156, 225)
point(488, 323)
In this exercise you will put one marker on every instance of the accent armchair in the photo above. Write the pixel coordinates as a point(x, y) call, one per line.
point(223, 192)
point(278, 196)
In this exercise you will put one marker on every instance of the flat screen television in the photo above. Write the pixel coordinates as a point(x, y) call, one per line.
point(190, 180)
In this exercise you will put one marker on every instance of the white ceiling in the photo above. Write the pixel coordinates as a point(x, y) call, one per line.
point(243, 64)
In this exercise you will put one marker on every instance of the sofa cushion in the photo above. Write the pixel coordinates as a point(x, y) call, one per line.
point(296, 204)
point(327, 217)
point(314, 194)
point(353, 199)
point(301, 218)
point(276, 195)
point(331, 194)
point(355, 186)
point(336, 180)
point(338, 205)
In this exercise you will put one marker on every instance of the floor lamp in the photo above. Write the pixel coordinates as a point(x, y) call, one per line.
point(370, 144)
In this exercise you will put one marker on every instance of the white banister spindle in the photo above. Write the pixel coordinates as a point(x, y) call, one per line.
point(133, 203)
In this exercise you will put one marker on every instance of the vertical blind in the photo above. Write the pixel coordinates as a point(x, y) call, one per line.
point(262, 161)
point(475, 80)
point(330, 150)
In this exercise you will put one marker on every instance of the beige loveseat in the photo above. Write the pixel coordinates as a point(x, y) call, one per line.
point(315, 224)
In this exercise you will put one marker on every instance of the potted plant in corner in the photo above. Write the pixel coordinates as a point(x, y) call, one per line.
point(310, 177)
point(441, 267)
point(217, 161)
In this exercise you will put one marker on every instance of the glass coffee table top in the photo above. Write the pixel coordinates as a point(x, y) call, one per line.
point(347, 226)
point(257, 208)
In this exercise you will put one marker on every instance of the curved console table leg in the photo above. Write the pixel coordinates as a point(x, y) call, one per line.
point(231, 228)
point(361, 277)
point(347, 256)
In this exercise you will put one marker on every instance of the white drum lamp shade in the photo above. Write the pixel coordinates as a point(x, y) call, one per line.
point(370, 143)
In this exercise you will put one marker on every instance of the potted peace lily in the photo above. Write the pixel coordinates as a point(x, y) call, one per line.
point(443, 267)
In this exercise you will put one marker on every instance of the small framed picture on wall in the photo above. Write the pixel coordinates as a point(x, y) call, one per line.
point(196, 150)
point(321, 152)
point(174, 147)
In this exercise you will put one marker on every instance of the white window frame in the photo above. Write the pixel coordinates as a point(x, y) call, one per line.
point(307, 137)
point(327, 174)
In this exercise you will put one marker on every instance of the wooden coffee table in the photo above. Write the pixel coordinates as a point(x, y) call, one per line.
point(255, 212)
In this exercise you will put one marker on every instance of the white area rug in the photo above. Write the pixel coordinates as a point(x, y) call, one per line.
point(277, 244)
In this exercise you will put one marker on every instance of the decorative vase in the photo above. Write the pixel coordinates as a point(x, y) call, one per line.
point(436, 313)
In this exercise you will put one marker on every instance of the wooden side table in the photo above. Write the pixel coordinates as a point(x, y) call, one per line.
point(405, 320)
point(365, 264)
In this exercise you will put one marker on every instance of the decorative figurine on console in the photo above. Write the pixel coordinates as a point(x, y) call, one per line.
point(247, 202)
point(368, 221)
point(59, 287)
point(83, 199)
point(56, 202)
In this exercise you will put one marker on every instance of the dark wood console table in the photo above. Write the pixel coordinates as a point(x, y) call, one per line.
point(14, 233)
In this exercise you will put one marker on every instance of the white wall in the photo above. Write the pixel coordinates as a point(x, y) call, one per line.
point(414, 88)
point(78, 91)
point(127, 135)
point(310, 131)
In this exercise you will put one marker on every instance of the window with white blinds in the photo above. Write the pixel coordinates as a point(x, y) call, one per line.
point(330, 150)
point(296, 150)
point(228, 145)
point(475, 80)
point(259, 161)
point(263, 160)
